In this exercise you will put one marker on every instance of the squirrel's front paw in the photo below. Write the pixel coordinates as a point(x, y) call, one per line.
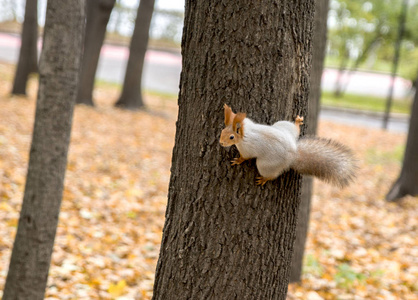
point(299, 120)
point(237, 161)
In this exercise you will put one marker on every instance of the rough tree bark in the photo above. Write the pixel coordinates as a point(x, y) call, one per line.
point(224, 237)
point(407, 183)
point(98, 14)
point(28, 55)
point(318, 55)
point(59, 72)
point(131, 97)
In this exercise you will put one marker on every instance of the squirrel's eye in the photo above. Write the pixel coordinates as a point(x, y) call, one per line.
point(231, 137)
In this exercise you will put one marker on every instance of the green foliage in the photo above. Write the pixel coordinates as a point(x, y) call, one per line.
point(167, 26)
point(378, 157)
point(377, 274)
point(132, 215)
point(362, 34)
point(370, 103)
point(347, 278)
point(107, 84)
point(166, 95)
point(312, 266)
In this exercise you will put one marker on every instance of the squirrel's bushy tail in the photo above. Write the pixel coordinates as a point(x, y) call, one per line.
point(326, 159)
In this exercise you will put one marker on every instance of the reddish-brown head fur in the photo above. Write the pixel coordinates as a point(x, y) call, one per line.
point(234, 127)
point(229, 115)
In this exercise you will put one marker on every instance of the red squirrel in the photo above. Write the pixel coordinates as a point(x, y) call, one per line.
point(277, 148)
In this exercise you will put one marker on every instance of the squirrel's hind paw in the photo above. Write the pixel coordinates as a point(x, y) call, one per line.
point(261, 180)
point(298, 123)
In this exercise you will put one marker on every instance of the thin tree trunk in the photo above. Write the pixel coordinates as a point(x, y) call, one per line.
point(119, 9)
point(358, 61)
point(13, 8)
point(401, 30)
point(131, 97)
point(224, 237)
point(98, 14)
point(59, 71)
point(28, 56)
point(318, 55)
point(341, 70)
point(407, 183)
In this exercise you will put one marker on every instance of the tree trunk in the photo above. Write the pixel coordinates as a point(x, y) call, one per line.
point(319, 42)
point(345, 57)
point(399, 38)
point(59, 71)
point(98, 14)
point(359, 60)
point(131, 97)
point(407, 183)
point(224, 237)
point(28, 56)
point(119, 10)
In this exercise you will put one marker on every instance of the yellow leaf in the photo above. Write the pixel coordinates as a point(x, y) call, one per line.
point(12, 222)
point(134, 192)
point(327, 276)
point(95, 282)
point(116, 290)
point(5, 206)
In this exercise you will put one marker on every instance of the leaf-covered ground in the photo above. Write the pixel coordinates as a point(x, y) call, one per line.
point(107, 243)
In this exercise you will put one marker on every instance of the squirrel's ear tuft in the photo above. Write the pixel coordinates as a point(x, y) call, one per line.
point(237, 125)
point(229, 115)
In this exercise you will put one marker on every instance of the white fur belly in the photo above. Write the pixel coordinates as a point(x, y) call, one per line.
point(274, 147)
point(272, 167)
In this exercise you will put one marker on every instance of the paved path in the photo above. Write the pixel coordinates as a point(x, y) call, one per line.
point(162, 73)
point(399, 123)
point(161, 69)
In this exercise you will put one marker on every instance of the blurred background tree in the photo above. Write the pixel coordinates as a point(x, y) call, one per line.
point(28, 56)
point(59, 75)
point(98, 14)
point(319, 41)
point(131, 97)
point(407, 183)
